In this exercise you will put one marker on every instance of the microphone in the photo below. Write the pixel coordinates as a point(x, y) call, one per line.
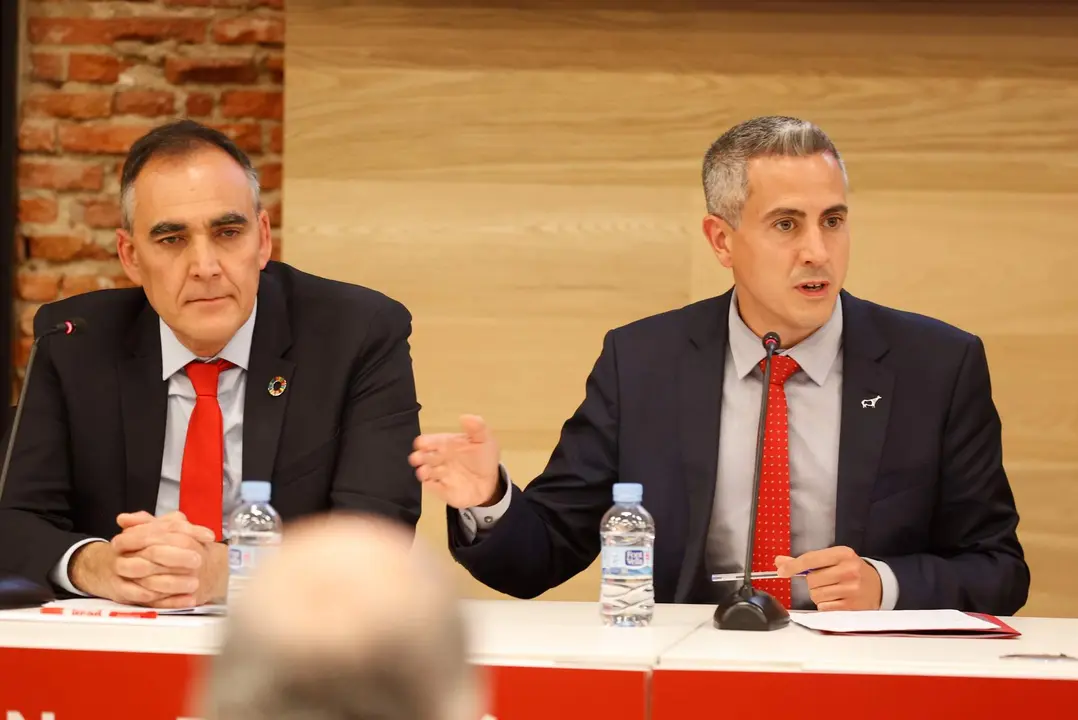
point(16, 592)
point(748, 608)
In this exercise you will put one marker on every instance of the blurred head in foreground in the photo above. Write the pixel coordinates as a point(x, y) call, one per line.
point(346, 621)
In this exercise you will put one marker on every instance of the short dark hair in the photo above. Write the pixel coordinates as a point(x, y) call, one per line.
point(176, 139)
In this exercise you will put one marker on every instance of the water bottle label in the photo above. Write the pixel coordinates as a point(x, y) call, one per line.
point(627, 561)
point(243, 560)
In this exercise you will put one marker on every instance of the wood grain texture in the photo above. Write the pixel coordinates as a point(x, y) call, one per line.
point(525, 177)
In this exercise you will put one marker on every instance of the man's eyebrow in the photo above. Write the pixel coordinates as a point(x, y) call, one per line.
point(231, 218)
point(840, 208)
point(167, 227)
point(785, 211)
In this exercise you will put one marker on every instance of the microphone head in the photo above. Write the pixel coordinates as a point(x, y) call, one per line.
point(771, 341)
point(70, 326)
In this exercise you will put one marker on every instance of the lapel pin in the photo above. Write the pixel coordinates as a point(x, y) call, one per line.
point(867, 403)
point(277, 386)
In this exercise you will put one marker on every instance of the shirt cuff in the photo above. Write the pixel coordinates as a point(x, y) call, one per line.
point(59, 575)
point(889, 583)
point(474, 521)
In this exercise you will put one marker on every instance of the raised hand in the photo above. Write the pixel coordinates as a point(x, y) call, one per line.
point(461, 468)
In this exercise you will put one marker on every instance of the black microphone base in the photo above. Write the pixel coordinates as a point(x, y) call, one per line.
point(751, 609)
point(17, 592)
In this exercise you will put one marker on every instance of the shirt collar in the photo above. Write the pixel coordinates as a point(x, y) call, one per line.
point(815, 354)
point(174, 356)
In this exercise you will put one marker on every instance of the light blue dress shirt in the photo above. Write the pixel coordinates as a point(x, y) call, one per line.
point(231, 391)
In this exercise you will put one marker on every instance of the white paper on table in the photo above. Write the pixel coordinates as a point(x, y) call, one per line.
point(107, 606)
point(862, 621)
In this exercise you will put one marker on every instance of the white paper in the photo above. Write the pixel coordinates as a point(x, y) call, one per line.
point(107, 606)
point(854, 621)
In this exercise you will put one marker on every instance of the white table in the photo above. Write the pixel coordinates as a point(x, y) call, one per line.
point(833, 677)
point(551, 659)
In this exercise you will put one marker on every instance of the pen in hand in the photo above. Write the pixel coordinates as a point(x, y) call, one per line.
point(762, 575)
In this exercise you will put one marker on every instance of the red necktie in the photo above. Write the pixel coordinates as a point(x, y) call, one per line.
point(202, 472)
point(773, 516)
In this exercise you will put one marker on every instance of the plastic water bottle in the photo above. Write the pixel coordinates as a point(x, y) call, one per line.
point(627, 594)
point(254, 529)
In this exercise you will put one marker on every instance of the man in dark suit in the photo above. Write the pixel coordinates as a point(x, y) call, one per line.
point(222, 366)
point(883, 473)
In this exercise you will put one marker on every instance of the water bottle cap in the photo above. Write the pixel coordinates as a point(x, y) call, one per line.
point(628, 493)
point(255, 491)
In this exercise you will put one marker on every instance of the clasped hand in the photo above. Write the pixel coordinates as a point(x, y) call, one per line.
point(164, 562)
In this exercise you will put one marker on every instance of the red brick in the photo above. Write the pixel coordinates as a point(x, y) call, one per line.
point(83, 283)
point(180, 70)
point(122, 281)
point(270, 175)
point(248, 136)
point(248, 30)
point(199, 104)
point(274, 212)
point(37, 285)
point(95, 68)
point(37, 136)
point(59, 175)
point(148, 103)
point(114, 139)
point(101, 212)
point(246, 4)
point(274, 65)
point(26, 318)
point(73, 105)
point(47, 67)
point(22, 351)
point(102, 31)
point(60, 248)
point(277, 139)
point(38, 209)
point(267, 105)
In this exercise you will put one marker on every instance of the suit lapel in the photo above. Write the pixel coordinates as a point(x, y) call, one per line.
point(864, 423)
point(263, 411)
point(144, 406)
point(700, 395)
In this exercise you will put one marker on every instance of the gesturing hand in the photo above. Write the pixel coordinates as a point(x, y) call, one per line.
point(461, 468)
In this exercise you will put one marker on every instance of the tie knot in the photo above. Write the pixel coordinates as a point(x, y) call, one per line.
point(782, 367)
point(204, 376)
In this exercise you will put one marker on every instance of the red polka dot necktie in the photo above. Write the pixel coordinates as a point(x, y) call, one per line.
point(773, 515)
point(202, 470)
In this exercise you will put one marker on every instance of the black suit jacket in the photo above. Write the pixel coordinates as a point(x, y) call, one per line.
point(93, 427)
point(921, 483)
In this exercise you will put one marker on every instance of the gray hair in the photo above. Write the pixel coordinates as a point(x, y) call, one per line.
point(725, 172)
point(404, 675)
point(176, 139)
point(127, 198)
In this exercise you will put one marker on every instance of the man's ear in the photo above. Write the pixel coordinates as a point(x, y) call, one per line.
point(125, 248)
point(265, 239)
point(719, 236)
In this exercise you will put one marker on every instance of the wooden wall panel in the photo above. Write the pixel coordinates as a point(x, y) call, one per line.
point(525, 176)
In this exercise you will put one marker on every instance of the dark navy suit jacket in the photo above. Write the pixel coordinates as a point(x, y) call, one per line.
point(921, 483)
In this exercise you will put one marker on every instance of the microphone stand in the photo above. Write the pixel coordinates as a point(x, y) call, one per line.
point(16, 591)
point(748, 608)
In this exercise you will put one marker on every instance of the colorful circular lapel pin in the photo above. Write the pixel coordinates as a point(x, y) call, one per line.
point(277, 386)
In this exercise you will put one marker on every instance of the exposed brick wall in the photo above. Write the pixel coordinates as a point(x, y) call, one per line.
point(97, 75)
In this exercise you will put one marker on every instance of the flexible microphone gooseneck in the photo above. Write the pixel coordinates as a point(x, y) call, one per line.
point(748, 608)
point(15, 591)
point(67, 327)
point(771, 344)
